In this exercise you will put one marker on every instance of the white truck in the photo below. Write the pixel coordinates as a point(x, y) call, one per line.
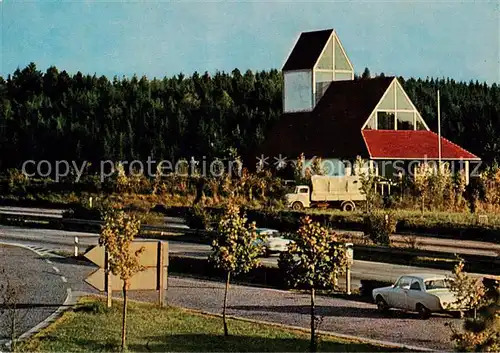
point(339, 191)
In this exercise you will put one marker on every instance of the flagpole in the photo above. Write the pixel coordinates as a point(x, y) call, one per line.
point(439, 127)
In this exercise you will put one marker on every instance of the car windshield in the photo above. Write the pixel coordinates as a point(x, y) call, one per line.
point(437, 284)
point(268, 233)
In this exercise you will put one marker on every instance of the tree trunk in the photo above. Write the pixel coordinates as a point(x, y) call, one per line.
point(13, 329)
point(313, 323)
point(226, 333)
point(124, 316)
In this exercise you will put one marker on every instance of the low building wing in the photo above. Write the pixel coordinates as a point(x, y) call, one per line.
point(412, 144)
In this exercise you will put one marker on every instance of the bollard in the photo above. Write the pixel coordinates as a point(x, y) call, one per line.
point(76, 246)
point(350, 261)
point(348, 280)
point(90, 201)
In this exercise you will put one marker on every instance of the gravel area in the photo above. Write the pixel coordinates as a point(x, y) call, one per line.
point(40, 288)
point(347, 317)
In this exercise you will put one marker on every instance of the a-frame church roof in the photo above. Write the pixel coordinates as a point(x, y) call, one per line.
point(307, 50)
point(333, 127)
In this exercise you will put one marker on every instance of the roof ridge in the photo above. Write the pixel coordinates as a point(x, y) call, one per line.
point(320, 30)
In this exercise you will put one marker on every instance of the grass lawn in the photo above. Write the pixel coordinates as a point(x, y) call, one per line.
point(92, 327)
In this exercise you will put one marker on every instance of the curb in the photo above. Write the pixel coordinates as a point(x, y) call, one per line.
point(68, 302)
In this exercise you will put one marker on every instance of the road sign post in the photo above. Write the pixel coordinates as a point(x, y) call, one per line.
point(154, 260)
point(161, 279)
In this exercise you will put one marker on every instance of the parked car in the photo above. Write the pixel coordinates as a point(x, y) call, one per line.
point(423, 293)
point(272, 241)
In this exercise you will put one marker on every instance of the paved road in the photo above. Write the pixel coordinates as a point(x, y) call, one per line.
point(39, 286)
point(44, 285)
point(30, 211)
point(423, 242)
point(46, 241)
point(469, 247)
point(347, 317)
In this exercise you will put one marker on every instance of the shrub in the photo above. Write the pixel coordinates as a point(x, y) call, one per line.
point(199, 217)
point(235, 248)
point(17, 181)
point(379, 227)
point(367, 287)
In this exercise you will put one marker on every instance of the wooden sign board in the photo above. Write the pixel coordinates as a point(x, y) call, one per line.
point(154, 259)
point(144, 280)
point(148, 257)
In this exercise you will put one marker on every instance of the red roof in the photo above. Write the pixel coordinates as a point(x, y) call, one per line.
point(411, 144)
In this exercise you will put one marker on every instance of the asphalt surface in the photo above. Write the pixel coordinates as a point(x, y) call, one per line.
point(32, 211)
point(40, 289)
point(47, 241)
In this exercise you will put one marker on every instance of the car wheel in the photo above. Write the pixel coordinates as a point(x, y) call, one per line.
point(297, 206)
point(423, 312)
point(382, 305)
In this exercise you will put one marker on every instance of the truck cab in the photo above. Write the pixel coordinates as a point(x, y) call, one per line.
point(300, 198)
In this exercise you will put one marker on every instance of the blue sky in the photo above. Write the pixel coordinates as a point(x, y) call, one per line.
point(456, 39)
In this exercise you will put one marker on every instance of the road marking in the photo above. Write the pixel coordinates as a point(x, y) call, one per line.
point(48, 261)
point(55, 269)
point(64, 279)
